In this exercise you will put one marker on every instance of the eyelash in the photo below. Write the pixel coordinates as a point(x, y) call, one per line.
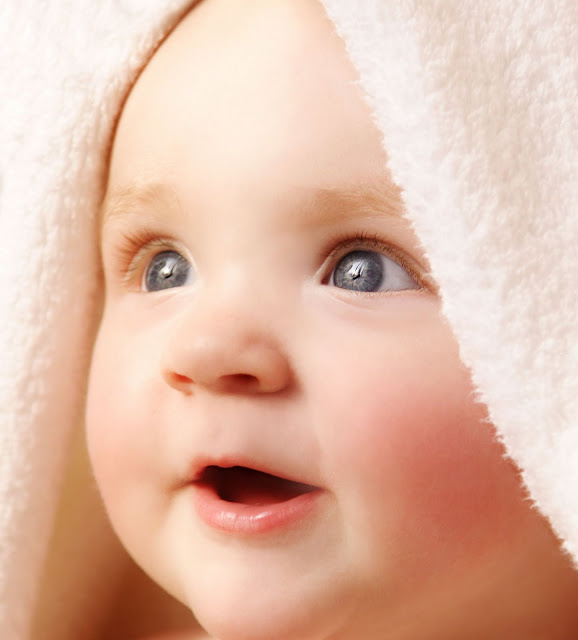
point(135, 245)
point(342, 243)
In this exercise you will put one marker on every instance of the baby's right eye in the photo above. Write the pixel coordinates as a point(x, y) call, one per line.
point(166, 270)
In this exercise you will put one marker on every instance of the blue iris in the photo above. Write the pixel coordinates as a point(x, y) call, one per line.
point(166, 270)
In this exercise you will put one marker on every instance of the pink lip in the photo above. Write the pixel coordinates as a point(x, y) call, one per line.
point(244, 519)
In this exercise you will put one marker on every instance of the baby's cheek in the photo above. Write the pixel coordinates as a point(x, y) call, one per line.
point(434, 480)
point(118, 436)
point(447, 466)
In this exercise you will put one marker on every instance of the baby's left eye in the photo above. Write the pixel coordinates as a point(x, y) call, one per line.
point(166, 270)
point(370, 271)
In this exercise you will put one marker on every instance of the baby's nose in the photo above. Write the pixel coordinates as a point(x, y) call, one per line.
point(226, 353)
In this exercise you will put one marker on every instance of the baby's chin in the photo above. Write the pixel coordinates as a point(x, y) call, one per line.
point(264, 613)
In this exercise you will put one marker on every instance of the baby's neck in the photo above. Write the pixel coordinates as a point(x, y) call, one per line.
point(180, 635)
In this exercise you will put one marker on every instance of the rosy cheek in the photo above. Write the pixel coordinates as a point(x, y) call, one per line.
point(424, 466)
point(447, 466)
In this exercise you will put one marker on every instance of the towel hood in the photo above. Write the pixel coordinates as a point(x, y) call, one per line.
point(478, 106)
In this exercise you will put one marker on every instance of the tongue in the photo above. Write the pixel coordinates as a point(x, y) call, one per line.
point(247, 486)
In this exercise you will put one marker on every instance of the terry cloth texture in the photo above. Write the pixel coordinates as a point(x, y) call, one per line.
point(65, 67)
point(478, 105)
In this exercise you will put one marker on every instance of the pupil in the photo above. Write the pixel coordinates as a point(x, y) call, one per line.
point(167, 269)
point(359, 271)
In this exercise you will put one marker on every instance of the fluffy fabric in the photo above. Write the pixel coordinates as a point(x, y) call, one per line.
point(65, 68)
point(478, 105)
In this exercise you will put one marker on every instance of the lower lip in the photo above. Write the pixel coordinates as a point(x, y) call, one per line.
point(244, 519)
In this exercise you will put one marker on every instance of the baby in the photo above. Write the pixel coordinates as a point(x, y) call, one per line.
point(281, 427)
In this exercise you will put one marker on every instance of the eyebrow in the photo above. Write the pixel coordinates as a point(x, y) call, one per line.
point(134, 198)
point(373, 197)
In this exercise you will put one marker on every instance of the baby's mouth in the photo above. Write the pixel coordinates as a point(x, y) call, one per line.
point(249, 486)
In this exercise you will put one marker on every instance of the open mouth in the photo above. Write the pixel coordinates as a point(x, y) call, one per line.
point(247, 486)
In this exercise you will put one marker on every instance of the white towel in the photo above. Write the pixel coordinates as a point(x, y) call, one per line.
point(478, 104)
point(65, 68)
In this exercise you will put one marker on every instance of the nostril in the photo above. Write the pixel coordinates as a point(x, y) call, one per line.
point(240, 382)
point(244, 378)
point(179, 381)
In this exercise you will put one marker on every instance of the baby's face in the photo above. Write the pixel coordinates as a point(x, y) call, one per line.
point(268, 307)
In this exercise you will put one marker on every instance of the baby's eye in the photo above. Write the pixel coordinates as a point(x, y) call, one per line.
point(166, 270)
point(370, 271)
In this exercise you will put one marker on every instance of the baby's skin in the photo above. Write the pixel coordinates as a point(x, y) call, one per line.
point(281, 427)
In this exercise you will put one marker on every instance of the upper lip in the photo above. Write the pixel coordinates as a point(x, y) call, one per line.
point(201, 465)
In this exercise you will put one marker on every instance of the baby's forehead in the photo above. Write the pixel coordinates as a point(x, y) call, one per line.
point(271, 128)
point(277, 105)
